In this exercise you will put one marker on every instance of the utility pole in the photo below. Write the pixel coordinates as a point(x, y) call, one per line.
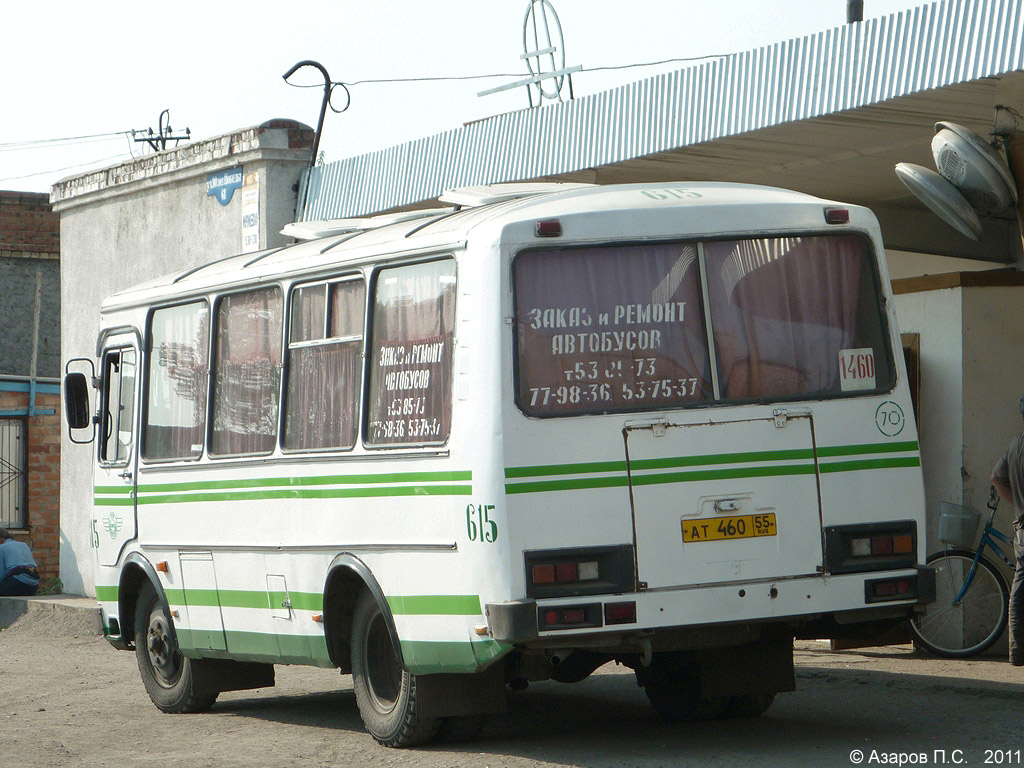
point(158, 141)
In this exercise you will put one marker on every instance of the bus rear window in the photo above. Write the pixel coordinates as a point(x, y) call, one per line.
point(624, 327)
point(796, 316)
point(610, 328)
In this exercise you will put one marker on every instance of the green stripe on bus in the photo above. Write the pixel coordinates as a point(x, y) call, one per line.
point(104, 502)
point(411, 605)
point(723, 474)
point(663, 463)
point(574, 484)
point(450, 477)
point(565, 469)
point(854, 450)
point(852, 466)
point(310, 493)
point(660, 478)
point(244, 598)
point(426, 657)
point(115, 489)
point(542, 470)
point(106, 594)
point(435, 605)
point(748, 457)
point(260, 646)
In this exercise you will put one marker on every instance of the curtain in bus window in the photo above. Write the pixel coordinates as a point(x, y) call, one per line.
point(247, 373)
point(325, 367)
point(795, 316)
point(176, 392)
point(309, 313)
point(410, 389)
point(610, 328)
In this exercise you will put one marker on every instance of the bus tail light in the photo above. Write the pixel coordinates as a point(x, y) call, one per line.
point(884, 590)
point(569, 616)
point(620, 613)
point(565, 573)
point(549, 228)
point(583, 571)
point(870, 547)
point(837, 215)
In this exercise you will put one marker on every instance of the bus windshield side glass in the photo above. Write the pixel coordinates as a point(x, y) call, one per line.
point(622, 327)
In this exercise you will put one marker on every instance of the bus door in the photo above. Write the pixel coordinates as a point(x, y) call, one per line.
point(717, 502)
point(114, 522)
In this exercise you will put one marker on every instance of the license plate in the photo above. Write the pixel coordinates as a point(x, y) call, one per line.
point(728, 528)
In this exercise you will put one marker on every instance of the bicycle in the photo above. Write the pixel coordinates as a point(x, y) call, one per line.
point(971, 595)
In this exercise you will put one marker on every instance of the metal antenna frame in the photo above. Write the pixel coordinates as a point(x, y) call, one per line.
point(537, 77)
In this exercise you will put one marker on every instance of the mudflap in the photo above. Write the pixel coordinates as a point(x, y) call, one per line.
point(764, 666)
point(454, 694)
point(217, 675)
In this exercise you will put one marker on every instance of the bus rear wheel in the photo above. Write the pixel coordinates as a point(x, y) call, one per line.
point(677, 695)
point(166, 673)
point(385, 690)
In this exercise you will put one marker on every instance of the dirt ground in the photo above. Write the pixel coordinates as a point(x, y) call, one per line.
point(68, 699)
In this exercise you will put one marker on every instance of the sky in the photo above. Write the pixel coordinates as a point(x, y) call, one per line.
point(76, 78)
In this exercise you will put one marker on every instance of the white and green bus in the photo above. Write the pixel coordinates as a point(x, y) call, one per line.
point(547, 428)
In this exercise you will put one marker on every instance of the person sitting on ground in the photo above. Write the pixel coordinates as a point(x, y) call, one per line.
point(18, 574)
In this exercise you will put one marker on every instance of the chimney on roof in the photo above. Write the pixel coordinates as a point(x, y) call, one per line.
point(854, 11)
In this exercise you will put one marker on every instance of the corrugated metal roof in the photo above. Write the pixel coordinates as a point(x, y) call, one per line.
point(932, 46)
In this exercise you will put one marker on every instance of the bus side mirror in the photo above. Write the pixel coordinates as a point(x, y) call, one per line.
point(76, 400)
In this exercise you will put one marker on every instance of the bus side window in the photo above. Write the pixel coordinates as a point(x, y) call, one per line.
point(325, 344)
point(176, 385)
point(412, 340)
point(118, 402)
point(247, 373)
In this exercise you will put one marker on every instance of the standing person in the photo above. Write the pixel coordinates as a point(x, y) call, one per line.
point(1008, 480)
point(18, 574)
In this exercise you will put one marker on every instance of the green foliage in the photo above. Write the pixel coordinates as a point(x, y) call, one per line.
point(51, 586)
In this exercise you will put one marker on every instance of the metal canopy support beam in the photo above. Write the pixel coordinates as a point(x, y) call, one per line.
point(921, 231)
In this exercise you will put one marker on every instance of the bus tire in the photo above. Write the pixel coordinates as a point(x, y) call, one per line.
point(385, 690)
point(677, 696)
point(166, 673)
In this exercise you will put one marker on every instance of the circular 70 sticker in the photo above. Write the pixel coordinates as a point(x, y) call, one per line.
point(889, 419)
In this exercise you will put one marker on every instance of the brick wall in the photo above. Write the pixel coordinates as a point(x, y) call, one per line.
point(42, 466)
point(30, 244)
point(28, 225)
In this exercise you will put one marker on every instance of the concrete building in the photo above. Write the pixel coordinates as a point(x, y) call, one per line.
point(158, 214)
point(30, 424)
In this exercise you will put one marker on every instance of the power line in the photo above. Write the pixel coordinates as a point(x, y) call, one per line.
point(454, 78)
point(62, 140)
point(65, 168)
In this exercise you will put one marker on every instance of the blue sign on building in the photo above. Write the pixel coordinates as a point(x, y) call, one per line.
point(223, 184)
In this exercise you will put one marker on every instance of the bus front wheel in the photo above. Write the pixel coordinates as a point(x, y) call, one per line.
point(385, 690)
point(166, 673)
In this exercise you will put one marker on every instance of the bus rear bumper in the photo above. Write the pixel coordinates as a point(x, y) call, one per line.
point(885, 596)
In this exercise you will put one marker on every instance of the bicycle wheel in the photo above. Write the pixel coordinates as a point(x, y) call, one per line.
point(977, 621)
